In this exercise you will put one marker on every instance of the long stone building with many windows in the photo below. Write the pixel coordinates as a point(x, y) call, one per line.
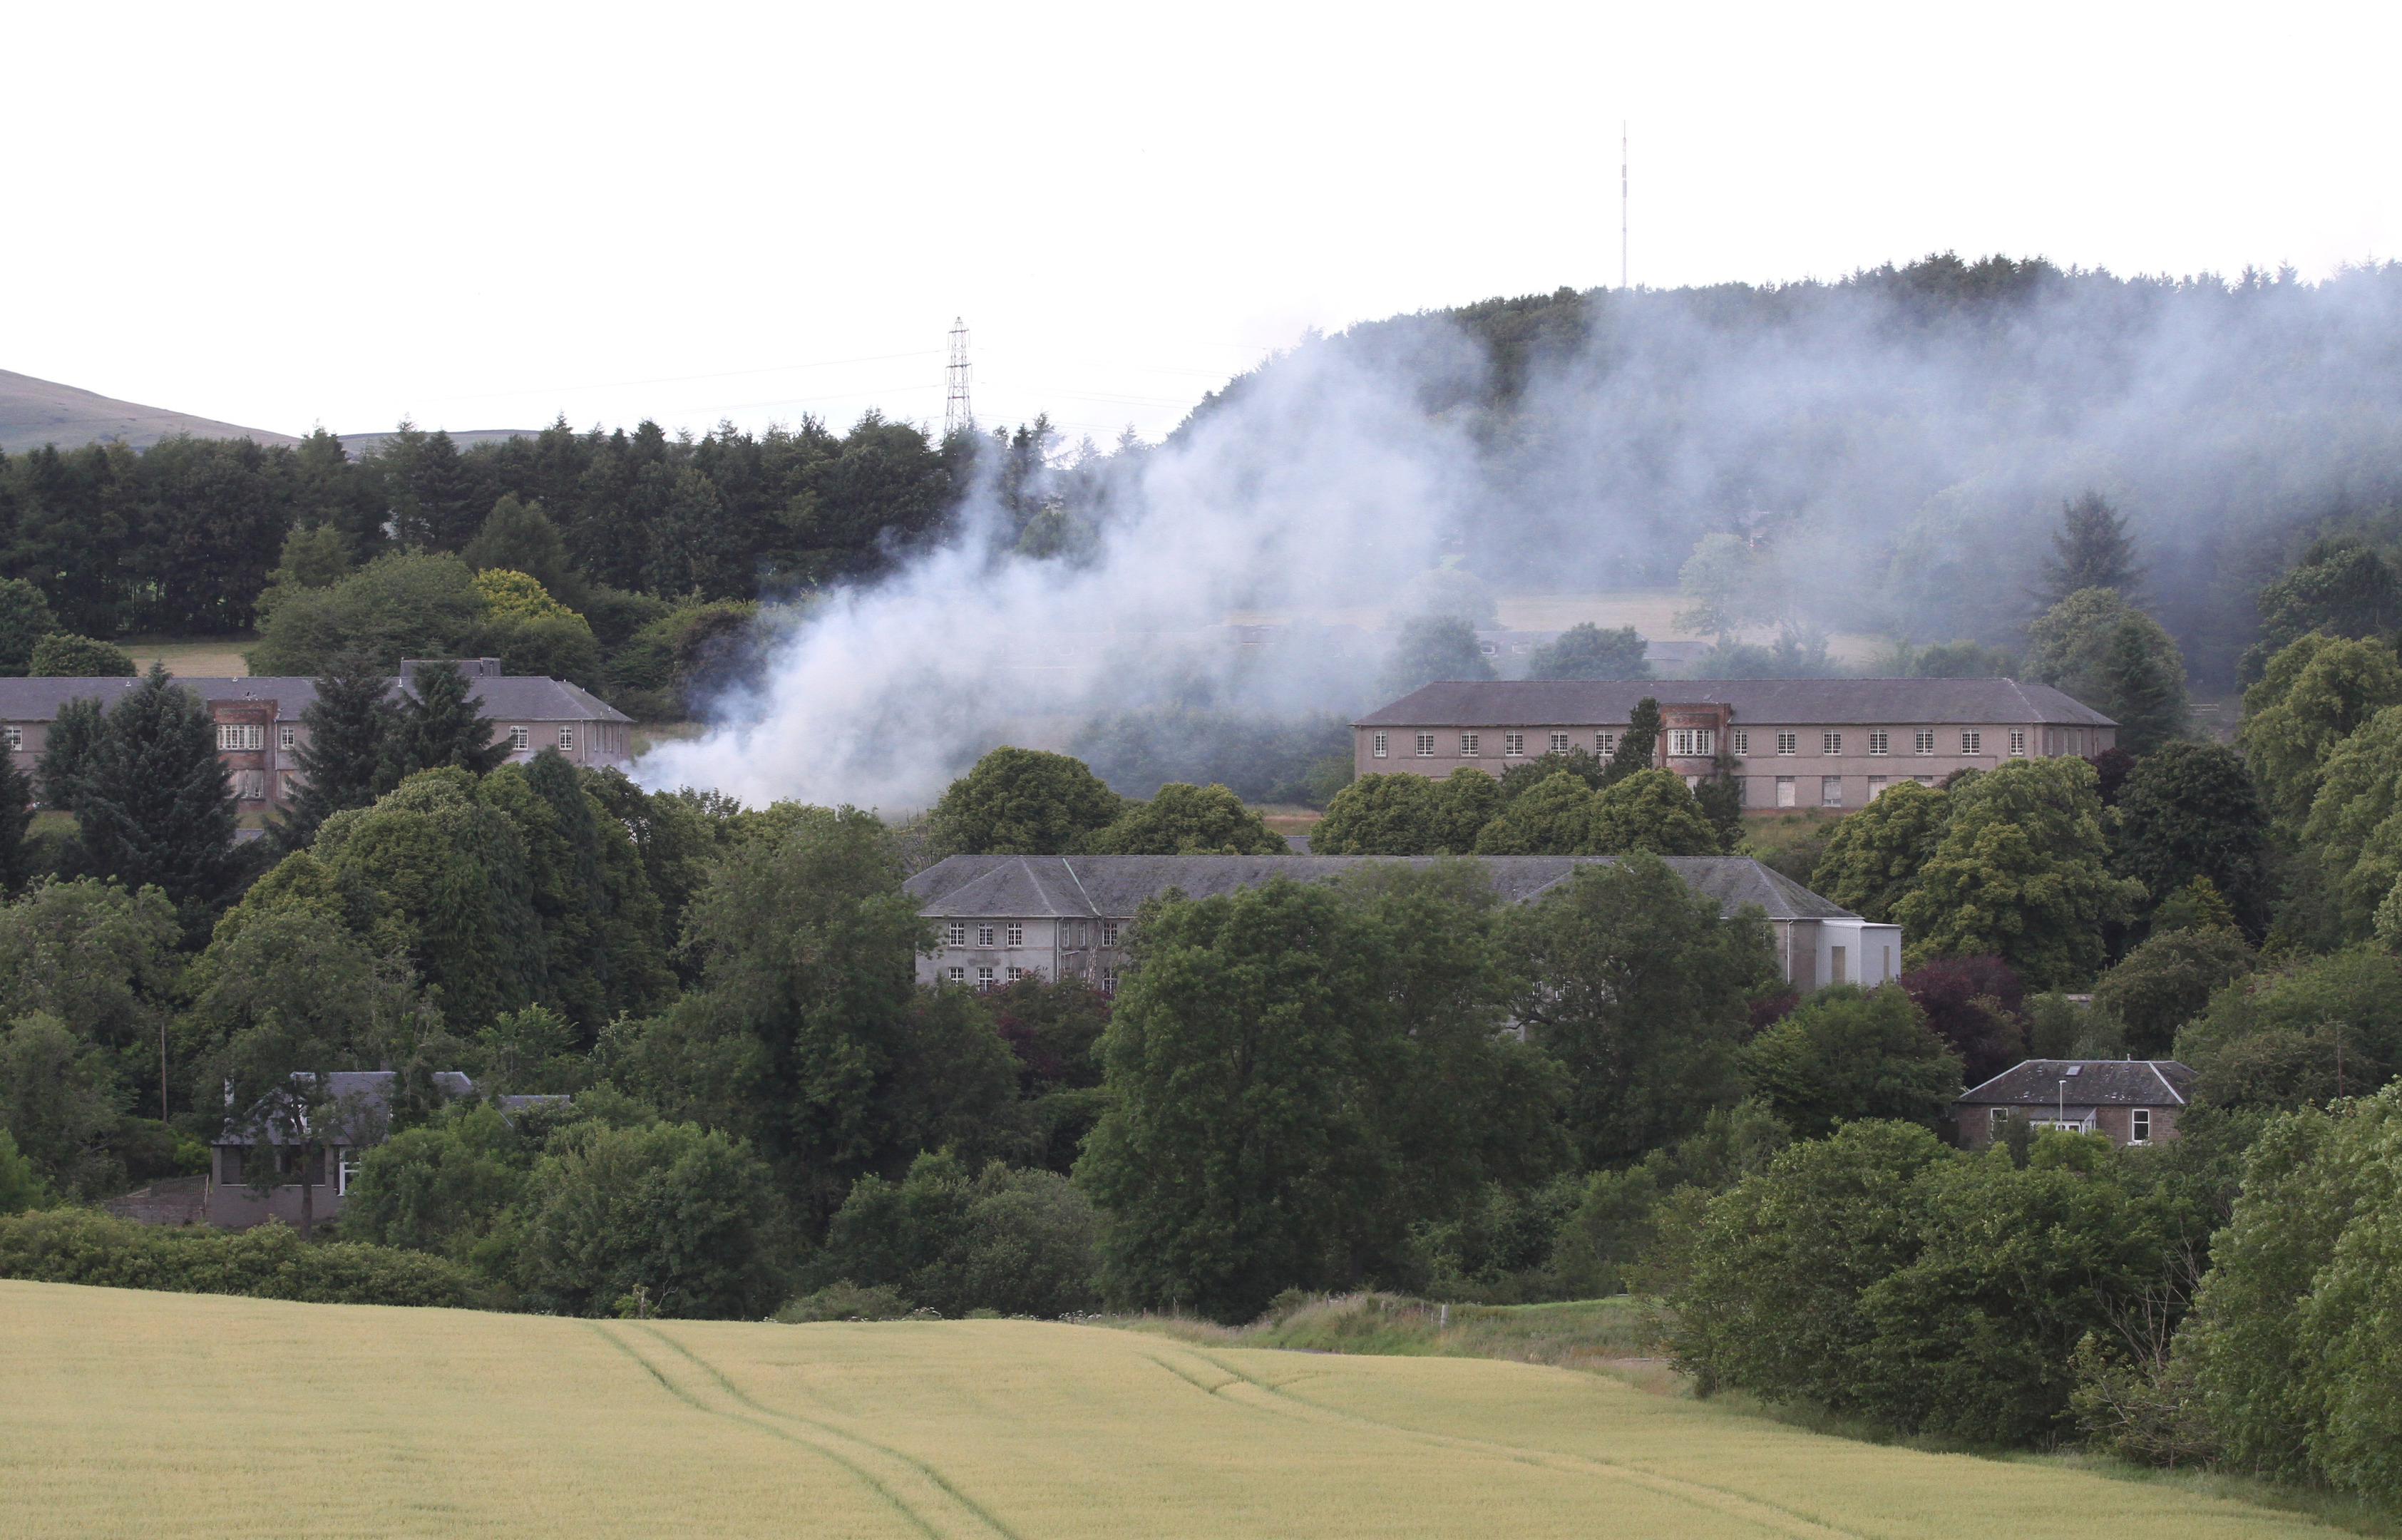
point(1002, 918)
point(1795, 743)
point(261, 734)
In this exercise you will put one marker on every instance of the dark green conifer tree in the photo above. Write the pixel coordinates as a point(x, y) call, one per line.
point(349, 724)
point(2091, 549)
point(154, 801)
point(2148, 702)
point(65, 751)
point(1642, 737)
point(439, 723)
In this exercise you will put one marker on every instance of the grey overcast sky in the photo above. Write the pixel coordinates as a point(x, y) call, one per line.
point(487, 214)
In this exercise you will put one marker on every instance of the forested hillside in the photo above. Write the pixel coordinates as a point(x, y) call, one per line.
point(1904, 437)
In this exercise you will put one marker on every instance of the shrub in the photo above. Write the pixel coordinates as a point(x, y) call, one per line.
point(63, 655)
point(1020, 1243)
point(844, 1301)
point(269, 1262)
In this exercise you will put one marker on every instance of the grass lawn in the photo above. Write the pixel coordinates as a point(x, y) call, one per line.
point(133, 1414)
point(206, 657)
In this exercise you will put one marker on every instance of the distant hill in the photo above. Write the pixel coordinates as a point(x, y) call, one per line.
point(35, 412)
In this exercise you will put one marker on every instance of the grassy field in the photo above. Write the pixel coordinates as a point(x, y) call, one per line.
point(210, 657)
point(157, 1414)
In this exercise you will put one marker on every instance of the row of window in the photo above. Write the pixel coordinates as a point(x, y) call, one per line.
point(1076, 933)
point(1700, 743)
point(985, 982)
point(237, 737)
point(2139, 1123)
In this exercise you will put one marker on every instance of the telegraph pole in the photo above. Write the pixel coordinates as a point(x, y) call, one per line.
point(956, 418)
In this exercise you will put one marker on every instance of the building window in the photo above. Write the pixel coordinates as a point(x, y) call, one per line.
point(1015, 973)
point(1835, 969)
point(1830, 743)
point(1016, 934)
point(2018, 745)
point(957, 934)
point(1426, 746)
point(1743, 790)
point(1788, 743)
point(1110, 982)
point(16, 738)
point(1468, 745)
point(983, 980)
point(1880, 742)
point(1876, 786)
point(957, 975)
point(1785, 792)
point(1108, 932)
point(1831, 790)
point(1923, 780)
point(1972, 743)
point(285, 738)
point(983, 935)
point(519, 739)
point(1690, 742)
point(1383, 744)
point(238, 736)
point(2139, 1130)
point(1739, 742)
point(567, 740)
point(1559, 743)
point(1605, 744)
point(1514, 746)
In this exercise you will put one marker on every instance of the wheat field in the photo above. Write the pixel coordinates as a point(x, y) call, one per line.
point(131, 1414)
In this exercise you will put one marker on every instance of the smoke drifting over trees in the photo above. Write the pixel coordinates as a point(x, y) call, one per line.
point(1899, 445)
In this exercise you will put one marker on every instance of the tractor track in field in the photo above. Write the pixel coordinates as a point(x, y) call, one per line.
point(1244, 1390)
point(920, 1494)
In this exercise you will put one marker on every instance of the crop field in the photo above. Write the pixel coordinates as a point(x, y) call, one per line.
point(126, 1413)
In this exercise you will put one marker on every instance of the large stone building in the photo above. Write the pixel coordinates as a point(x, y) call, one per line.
point(261, 734)
point(1796, 743)
point(999, 918)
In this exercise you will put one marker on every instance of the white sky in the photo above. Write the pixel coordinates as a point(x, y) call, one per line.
point(486, 214)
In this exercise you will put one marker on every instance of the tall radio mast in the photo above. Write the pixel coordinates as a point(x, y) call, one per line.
point(956, 418)
point(1621, 203)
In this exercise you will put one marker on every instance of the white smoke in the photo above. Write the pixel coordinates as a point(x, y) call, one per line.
point(1904, 442)
point(1326, 486)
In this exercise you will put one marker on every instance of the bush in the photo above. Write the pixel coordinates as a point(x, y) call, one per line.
point(688, 1216)
point(844, 1301)
point(1020, 1243)
point(269, 1262)
point(62, 655)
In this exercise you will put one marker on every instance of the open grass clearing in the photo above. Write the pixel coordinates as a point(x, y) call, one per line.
point(155, 1414)
point(192, 657)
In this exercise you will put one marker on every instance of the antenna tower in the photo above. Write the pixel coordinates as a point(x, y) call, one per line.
point(956, 418)
point(1621, 203)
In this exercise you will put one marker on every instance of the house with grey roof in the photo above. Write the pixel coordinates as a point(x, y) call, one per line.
point(999, 918)
point(1795, 743)
point(2133, 1101)
point(261, 734)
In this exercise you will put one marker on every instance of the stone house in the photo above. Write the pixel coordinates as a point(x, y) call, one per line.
point(2133, 1101)
point(999, 918)
point(364, 1118)
point(261, 734)
point(1795, 743)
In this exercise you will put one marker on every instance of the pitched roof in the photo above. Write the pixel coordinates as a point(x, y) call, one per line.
point(510, 698)
point(364, 1098)
point(2091, 1083)
point(1765, 702)
point(1113, 886)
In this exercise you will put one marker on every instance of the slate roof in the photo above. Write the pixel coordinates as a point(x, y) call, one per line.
point(1763, 702)
point(366, 1096)
point(1113, 886)
point(511, 697)
point(2091, 1083)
